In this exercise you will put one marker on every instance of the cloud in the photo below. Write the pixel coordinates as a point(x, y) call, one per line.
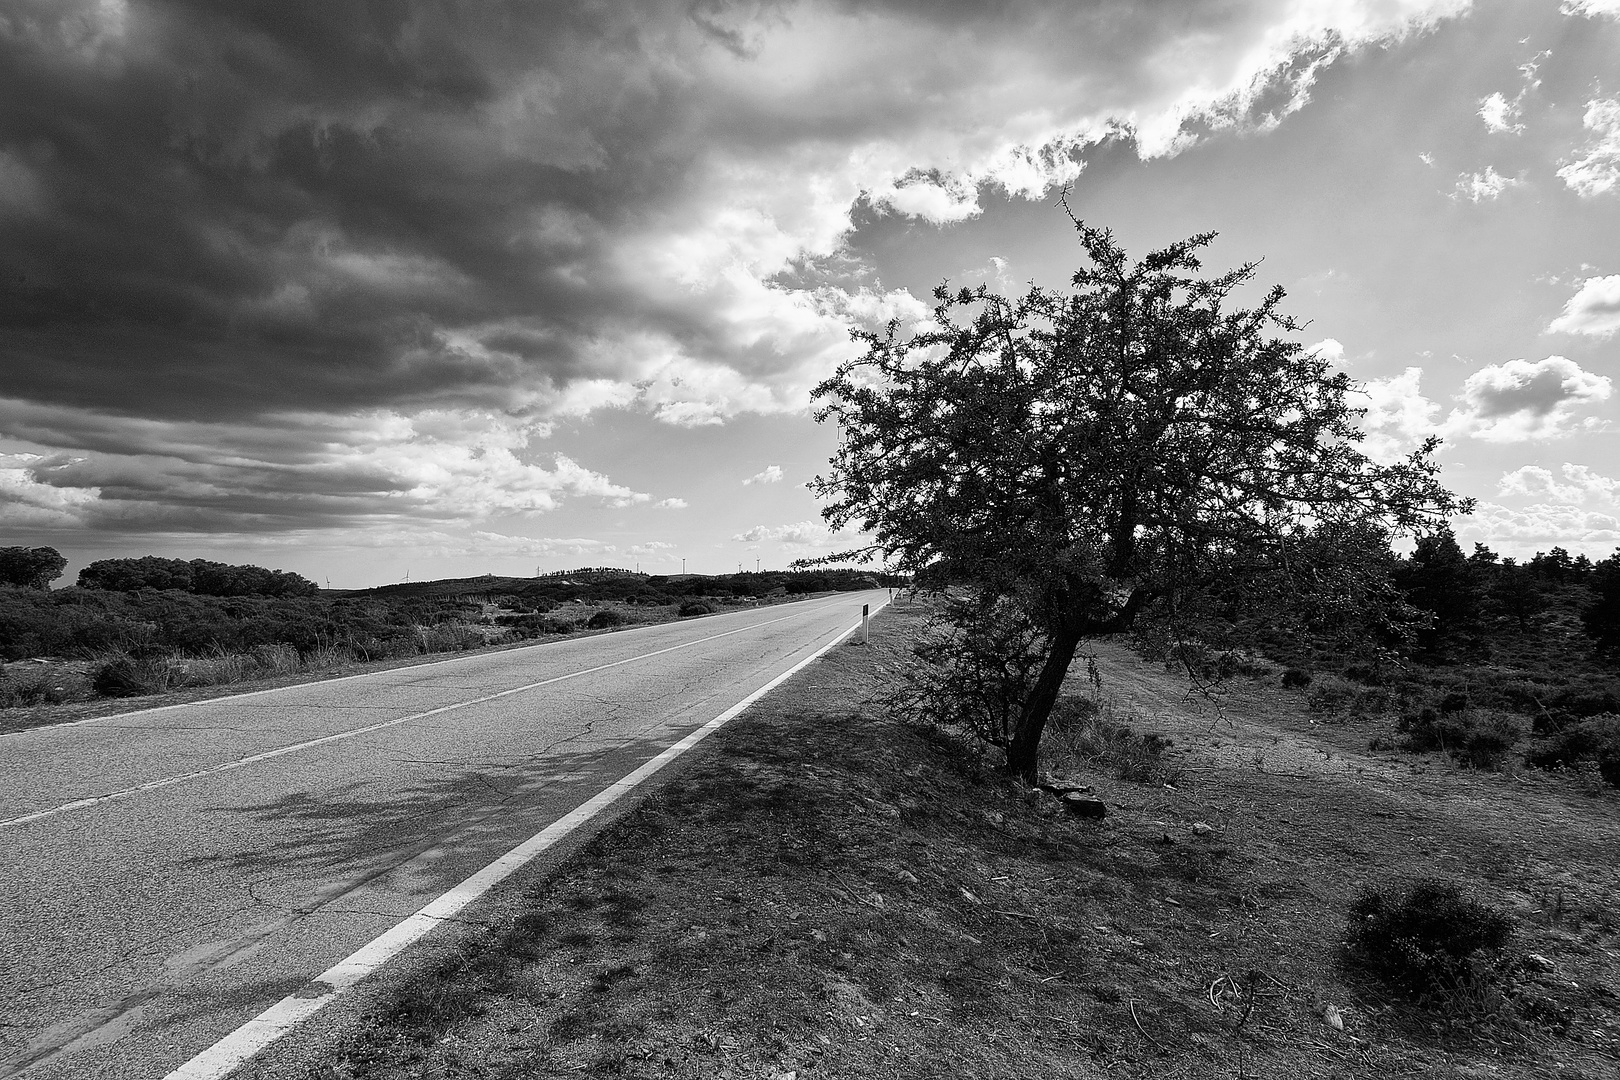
point(1482, 187)
point(772, 474)
point(1328, 349)
point(329, 221)
point(1580, 485)
point(800, 536)
point(1594, 309)
point(652, 550)
point(492, 543)
point(1540, 526)
point(542, 208)
point(289, 472)
point(1591, 8)
point(1521, 400)
point(1398, 416)
point(1500, 115)
point(670, 504)
point(1597, 169)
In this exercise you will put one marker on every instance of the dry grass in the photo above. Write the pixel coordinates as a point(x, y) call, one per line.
point(827, 893)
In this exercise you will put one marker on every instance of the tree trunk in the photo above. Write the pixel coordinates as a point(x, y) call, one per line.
point(1023, 753)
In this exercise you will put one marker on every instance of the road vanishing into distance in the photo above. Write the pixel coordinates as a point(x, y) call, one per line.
point(168, 875)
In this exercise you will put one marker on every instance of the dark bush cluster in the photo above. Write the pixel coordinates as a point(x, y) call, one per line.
point(30, 567)
point(1481, 739)
point(1596, 740)
point(605, 619)
point(1428, 940)
point(1296, 678)
point(198, 576)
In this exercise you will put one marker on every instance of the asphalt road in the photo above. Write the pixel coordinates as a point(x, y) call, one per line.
point(166, 875)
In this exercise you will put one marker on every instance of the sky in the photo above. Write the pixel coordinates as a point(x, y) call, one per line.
point(368, 291)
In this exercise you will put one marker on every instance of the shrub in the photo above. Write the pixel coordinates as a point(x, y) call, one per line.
point(604, 619)
point(122, 674)
point(448, 637)
point(1481, 739)
point(1296, 678)
point(695, 607)
point(1596, 739)
point(1431, 940)
point(39, 686)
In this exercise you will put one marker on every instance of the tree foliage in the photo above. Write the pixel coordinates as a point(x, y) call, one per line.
point(30, 567)
point(1602, 616)
point(199, 576)
point(1084, 454)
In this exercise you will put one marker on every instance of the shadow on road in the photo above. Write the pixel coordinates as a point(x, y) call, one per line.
point(356, 833)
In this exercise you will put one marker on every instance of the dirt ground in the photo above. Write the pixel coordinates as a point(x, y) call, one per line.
point(829, 893)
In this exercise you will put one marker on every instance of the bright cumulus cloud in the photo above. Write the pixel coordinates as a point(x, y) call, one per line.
point(1579, 484)
point(1520, 399)
point(1595, 167)
point(1594, 309)
point(771, 474)
point(1397, 416)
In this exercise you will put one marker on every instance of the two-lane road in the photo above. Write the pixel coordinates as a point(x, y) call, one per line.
point(166, 875)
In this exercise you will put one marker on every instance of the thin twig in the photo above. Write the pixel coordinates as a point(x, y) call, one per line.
point(1139, 1027)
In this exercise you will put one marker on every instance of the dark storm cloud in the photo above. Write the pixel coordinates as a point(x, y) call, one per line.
point(256, 206)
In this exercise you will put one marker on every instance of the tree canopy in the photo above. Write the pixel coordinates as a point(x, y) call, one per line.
point(200, 576)
point(1085, 453)
point(30, 567)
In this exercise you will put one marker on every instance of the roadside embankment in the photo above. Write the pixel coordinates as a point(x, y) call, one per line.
point(824, 892)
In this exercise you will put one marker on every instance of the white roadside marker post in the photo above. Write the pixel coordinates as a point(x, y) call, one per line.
point(866, 610)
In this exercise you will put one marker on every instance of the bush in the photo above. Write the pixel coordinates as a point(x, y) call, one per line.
point(1430, 940)
point(604, 619)
point(1296, 678)
point(124, 675)
point(41, 686)
point(1596, 739)
point(695, 607)
point(1481, 739)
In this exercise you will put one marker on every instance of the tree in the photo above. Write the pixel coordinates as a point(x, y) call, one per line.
point(1084, 455)
point(1517, 592)
point(1602, 616)
point(30, 567)
point(1440, 580)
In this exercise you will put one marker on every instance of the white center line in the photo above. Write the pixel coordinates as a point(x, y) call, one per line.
point(254, 759)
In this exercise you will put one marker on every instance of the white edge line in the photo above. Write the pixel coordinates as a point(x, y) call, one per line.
point(225, 697)
point(225, 1055)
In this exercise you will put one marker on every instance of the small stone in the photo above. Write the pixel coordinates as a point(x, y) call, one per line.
point(1202, 828)
point(906, 876)
point(1537, 962)
point(1078, 804)
point(1166, 838)
point(1332, 1018)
